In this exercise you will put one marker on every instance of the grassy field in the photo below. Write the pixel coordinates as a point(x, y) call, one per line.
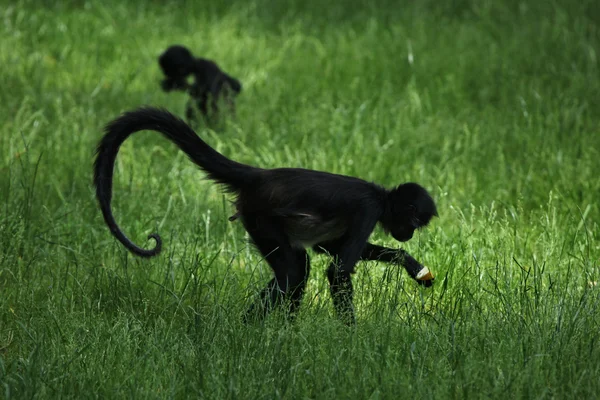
point(493, 106)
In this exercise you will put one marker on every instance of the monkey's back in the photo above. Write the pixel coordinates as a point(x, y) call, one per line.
point(294, 191)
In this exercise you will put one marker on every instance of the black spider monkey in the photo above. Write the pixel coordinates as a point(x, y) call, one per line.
point(209, 86)
point(285, 211)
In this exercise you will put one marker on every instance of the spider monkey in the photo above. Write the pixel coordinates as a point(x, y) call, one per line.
point(210, 82)
point(284, 211)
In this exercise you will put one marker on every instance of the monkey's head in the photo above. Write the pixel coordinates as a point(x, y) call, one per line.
point(409, 207)
point(177, 62)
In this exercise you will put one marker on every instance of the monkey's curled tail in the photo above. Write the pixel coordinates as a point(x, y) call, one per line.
point(218, 167)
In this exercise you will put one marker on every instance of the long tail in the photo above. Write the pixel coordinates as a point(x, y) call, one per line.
point(218, 167)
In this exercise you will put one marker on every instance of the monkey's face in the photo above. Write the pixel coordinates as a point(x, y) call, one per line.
point(400, 223)
point(410, 207)
point(176, 62)
point(403, 222)
point(402, 233)
point(175, 69)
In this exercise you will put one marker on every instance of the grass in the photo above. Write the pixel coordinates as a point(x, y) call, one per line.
point(491, 105)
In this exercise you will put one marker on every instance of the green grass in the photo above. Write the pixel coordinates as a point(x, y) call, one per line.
point(493, 106)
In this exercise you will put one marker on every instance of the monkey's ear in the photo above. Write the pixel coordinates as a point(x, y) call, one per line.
point(412, 209)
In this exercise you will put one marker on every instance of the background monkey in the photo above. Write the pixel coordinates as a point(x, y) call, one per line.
point(210, 83)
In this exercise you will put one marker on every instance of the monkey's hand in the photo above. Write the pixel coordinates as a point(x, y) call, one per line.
point(416, 270)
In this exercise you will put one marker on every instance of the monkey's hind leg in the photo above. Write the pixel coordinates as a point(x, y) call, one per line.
point(291, 268)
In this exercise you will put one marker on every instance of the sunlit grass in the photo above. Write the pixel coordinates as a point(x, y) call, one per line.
point(491, 106)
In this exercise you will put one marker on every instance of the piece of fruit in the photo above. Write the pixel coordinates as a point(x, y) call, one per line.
point(424, 275)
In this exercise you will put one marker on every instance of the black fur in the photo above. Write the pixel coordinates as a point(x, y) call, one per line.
point(210, 83)
point(285, 211)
